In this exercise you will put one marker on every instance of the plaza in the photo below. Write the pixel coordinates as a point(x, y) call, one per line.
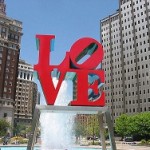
point(125, 36)
point(119, 144)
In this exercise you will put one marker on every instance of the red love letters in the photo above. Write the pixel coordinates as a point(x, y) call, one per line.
point(88, 77)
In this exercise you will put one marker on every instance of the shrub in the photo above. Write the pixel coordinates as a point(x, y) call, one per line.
point(98, 143)
point(1, 140)
point(19, 140)
point(148, 142)
point(95, 143)
point(143, 142)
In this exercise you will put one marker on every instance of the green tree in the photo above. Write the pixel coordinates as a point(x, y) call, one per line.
point(121, 125)
point(136, 125)
point(4, 126)
point(141, 125)
point(130, 130)
point(28, 131)
point(92, 128)
point(93, 125)
point(79, 130)
point(20, 129)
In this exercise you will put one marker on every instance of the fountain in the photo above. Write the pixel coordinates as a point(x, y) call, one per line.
point(56, 128)
point(89, 97)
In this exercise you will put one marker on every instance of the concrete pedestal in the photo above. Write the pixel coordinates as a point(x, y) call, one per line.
point(101, 111)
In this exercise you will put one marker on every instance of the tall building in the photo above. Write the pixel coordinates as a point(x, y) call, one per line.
point(27, 95)
point(125, 36)
point(10, 38)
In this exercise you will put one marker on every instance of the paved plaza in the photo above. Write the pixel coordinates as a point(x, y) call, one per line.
point(120, 146)
point(131, 147)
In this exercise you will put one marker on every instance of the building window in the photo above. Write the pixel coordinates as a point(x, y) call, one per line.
point(5, 115)
point(8, 57)
point(5, 89)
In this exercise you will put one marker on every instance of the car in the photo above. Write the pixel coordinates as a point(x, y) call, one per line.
point(92, 138)
point(128, 139)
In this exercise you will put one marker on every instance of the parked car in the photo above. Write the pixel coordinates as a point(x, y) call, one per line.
point(91, 138)
point(128, 139)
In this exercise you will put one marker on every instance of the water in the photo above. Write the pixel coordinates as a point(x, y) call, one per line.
point(16, 148)
point(37, 148)
point(56, 128)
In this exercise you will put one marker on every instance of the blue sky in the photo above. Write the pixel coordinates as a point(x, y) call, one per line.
point(68, 20)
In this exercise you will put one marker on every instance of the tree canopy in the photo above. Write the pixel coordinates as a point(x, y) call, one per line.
point(93, 126)
point(22, 129)
point(122, 125)
point(138, 124)
point(4, 126)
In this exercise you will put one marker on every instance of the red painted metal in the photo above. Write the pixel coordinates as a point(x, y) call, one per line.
point(70, 64)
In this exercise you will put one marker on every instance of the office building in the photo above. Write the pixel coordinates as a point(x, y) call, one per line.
point(125, 36)
point(27, 95)
point(10, 38)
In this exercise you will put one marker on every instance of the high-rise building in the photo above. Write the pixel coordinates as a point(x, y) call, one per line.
point(125, 36)
point(10, 38)
point(27, 95)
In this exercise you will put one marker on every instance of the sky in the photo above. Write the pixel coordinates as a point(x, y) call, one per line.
point(68, 20)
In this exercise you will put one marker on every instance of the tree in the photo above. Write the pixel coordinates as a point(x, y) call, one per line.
point(93, 126)
point(20, 129)
point(4, 126)
point(121, 126)
point(137, 125)
point(78, 129)
point(142, 125)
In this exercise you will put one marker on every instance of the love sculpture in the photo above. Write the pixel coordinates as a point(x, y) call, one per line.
point(88, 76)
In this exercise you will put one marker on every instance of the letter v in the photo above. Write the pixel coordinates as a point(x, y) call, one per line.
point(44, 70)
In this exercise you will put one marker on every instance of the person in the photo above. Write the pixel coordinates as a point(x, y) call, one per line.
point(5, 142)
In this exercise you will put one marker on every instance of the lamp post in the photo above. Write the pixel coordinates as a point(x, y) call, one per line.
point(93, 134)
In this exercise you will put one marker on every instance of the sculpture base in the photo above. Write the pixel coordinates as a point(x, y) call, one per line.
point(101, 111)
